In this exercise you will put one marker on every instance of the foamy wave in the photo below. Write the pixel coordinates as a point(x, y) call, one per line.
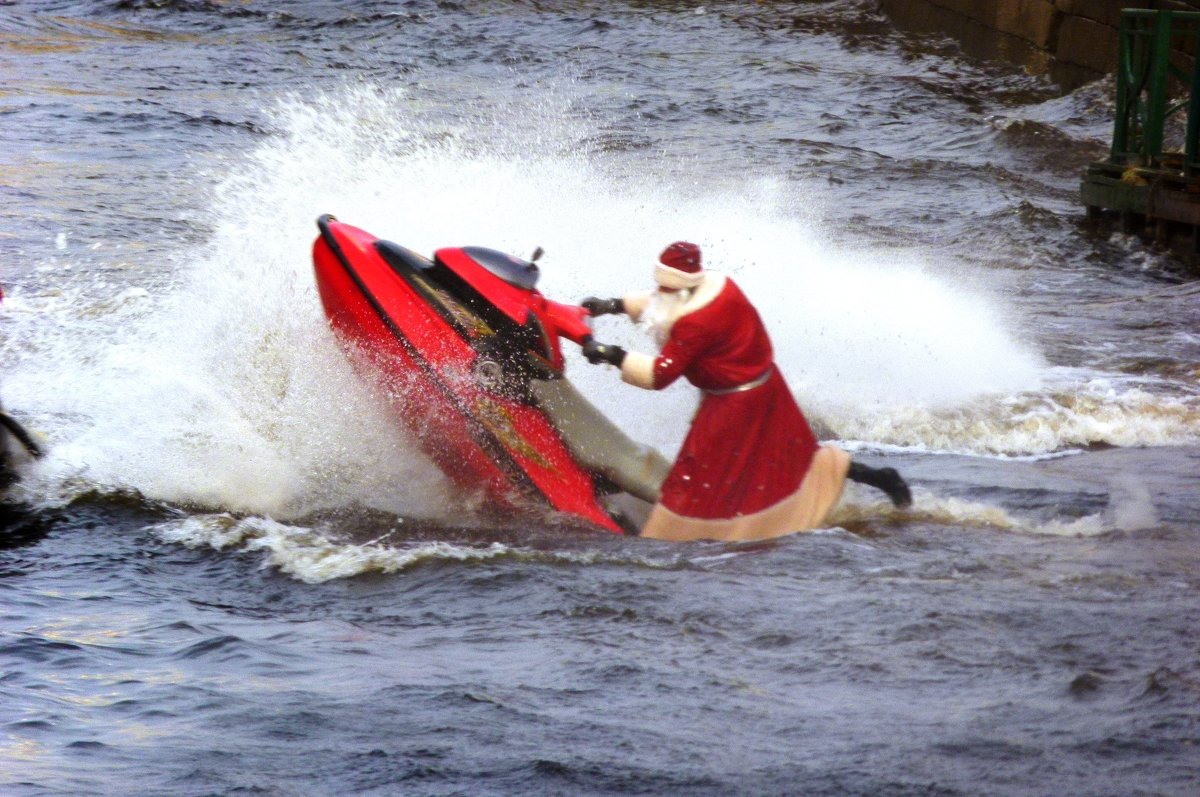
point(312, 556)
point(1095, 412)
point(949, 511)
point(309, 555)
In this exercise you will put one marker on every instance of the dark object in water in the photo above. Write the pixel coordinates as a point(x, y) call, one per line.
point(10, 427)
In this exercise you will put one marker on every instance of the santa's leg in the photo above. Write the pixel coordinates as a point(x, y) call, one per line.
point(886, 479)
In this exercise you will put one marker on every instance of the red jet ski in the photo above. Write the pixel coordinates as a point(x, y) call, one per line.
point(455, 342)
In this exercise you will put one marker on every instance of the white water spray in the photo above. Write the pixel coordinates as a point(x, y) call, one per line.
point(225, 389)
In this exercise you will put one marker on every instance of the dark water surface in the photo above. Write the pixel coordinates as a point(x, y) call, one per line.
point(233, 574)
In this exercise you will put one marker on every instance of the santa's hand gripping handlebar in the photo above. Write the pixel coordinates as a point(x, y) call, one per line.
point(603, 306)
point(597, 353)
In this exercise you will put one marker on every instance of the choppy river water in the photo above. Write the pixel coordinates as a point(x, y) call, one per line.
point(232, 574)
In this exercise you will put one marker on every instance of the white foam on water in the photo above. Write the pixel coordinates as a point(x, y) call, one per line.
point(1074, 409)
point(929, 508)
point(312, 556)
point(1130, 505)
point(218, 384)
point(309, 555)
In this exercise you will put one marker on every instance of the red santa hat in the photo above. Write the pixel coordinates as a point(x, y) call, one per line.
point(679, 267)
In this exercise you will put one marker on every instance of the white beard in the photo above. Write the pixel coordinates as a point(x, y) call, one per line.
point(664, 308)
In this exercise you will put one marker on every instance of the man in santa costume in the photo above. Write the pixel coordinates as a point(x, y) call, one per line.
point(750, 467)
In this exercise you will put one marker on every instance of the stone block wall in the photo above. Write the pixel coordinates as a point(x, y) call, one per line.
point(1073, 40)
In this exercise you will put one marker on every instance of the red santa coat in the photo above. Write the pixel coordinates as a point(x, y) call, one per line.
point(750, 467)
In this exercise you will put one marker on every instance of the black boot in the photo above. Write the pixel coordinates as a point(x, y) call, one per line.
point(886, 479)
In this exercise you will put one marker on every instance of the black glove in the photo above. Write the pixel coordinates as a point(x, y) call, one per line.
point(602, 306)
point(597, 353)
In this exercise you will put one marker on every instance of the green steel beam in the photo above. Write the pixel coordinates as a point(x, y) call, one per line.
point(1144, 72)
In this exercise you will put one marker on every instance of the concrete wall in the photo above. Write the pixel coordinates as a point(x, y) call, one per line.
point(1072, 40)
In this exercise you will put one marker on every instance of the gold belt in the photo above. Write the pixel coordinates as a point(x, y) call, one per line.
point(758, 381)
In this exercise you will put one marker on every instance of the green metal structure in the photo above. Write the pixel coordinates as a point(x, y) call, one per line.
point(1152, 45)
point(1151, 179)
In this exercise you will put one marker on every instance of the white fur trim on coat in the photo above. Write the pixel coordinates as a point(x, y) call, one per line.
point(708, 289)
point(638, 370)
point(678, 280)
